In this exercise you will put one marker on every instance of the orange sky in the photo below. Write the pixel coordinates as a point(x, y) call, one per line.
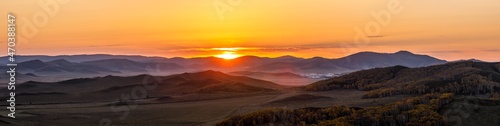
point(446, 29)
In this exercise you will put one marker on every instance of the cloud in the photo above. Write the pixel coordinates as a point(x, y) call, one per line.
point(258, 49)
point(375, 36)
point(110, 45)
point(446, 51)
point(492, 50)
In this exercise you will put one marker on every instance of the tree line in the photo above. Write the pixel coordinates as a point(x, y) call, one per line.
point(413, 111)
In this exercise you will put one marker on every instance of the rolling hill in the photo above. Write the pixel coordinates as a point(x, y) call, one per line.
point(282, 78)
point(186, 86)
point(262, 74)
point(458, 77)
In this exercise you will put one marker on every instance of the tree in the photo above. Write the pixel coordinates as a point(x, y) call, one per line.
point(412, 111)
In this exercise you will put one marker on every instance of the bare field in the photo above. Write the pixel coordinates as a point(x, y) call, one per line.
point(205, 112)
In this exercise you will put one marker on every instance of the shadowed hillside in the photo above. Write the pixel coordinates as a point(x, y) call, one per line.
point(201, 85)
point(472, 111)
point(410, 112)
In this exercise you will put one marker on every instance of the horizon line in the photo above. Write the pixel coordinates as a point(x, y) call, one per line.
point(156, 56)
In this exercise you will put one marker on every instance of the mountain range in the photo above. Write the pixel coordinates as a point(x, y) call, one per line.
point(119, 64)
point(405, 95)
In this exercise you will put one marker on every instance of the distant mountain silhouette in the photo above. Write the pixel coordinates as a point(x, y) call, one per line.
point(59, 66)
point(126, 65)
point(60, 62)
point(98, 67)
point(33, 64)
point(80, 58)
point(354, 62)
point(367, 60)
point(118, 64)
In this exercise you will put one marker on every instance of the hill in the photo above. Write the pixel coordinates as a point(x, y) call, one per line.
point(186, 86)
point(411, 112)
point(457, 77)
point(263, 74)
point(300, 98)
point(470, 111)
point(282, 78)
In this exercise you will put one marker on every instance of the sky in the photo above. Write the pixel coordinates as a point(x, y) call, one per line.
point(446, 29)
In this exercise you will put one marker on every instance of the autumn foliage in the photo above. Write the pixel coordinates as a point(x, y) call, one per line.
point(414, 111)
point(464, 78)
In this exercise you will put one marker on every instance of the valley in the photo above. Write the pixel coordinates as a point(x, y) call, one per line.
point(211, 97)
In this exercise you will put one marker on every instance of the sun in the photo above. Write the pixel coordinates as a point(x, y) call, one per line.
point(228, 55)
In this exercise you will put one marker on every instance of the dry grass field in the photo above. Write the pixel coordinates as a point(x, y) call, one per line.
point(202, 112)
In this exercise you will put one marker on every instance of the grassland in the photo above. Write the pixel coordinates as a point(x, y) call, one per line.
point(201, 112)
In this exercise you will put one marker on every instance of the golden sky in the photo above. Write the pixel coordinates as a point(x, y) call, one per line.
point(446, 29)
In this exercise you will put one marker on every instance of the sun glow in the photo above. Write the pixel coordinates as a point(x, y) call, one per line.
point(226, 49)
point(228, 55)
